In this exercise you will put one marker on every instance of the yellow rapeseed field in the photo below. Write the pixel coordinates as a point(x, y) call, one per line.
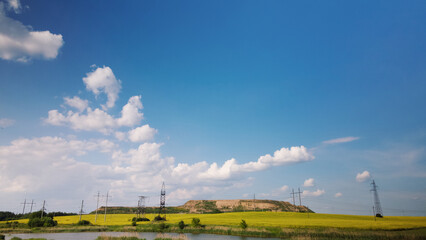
point(266, 219)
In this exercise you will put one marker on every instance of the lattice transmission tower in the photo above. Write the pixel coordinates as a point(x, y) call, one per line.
point(162, 201)
point(377, 207)
point(141, 207)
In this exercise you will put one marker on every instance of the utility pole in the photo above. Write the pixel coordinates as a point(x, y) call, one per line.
point(377, 206)
point(300, 199)
point(292, 193)
point(81, 209)
point(374, 214)
point(42, 209)
point(106, 205)
point(32, 203)
point(97, 206)
point(24, 203)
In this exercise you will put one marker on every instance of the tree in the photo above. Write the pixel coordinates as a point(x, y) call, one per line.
point(196, 222)
point(181, 225)
point(243, 224)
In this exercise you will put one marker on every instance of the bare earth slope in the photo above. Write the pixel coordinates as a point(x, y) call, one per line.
point(206, 206)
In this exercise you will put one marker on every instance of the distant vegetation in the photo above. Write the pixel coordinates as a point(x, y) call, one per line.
point(40, 219)
point(84, 223)
point(7, 216)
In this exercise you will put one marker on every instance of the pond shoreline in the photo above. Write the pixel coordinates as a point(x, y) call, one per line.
point(267, 232)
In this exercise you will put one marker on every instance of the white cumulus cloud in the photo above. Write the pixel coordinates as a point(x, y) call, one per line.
point(77, 103)
point(142, 134)
point(30, 165)
point(284, 188)
point(309, 182)
point(102, 79)
point(362, 177)
point(97, 120)
point(130, 115)
point(20, 43)
point(281, 157)
point(316, 193)
point(341, 140)
point(14, 5)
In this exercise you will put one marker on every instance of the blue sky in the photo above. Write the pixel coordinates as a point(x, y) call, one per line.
point(218, 80)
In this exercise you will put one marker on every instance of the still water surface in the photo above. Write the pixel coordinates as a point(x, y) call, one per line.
point(146, 235)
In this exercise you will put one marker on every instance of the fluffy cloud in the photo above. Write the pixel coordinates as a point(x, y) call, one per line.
point(19, 43)
point(309, 182)
point(142, 134)
point(103, 80)
point(316, 193)
point(6, 122)
point(77, 103)
point(145, 164)
point(362, 177)
point(284, 188)
point(29, 165)
point(98, 120)
point(337, 195)
point(14, 5)
point(281, 157)
point(341, 140)
point(130, 115)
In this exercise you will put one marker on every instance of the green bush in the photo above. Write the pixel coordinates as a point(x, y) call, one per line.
point(42, 222)
point(159, 218)
point(134, 223)
point(163, 226)
point(37, 214)
point(16, 238)
point(181, 225)
point(196, 222)
point(84, 223)
point(142, 219)
point(2, 237)
point(243, 224)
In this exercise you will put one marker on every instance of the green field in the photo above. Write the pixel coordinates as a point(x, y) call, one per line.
point(267, 219)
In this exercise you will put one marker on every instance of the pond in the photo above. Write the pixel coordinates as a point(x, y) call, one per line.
point(146, 235)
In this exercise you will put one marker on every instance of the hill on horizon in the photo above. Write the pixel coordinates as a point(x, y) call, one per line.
point(218, 206)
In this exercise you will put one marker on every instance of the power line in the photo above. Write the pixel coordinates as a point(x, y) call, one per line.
point(300, 198)
point(42, 209)
point(81, 209)
point(97, 206)
point(292, 193)
point(24, 203)
point(106, 205)
point(32, 203)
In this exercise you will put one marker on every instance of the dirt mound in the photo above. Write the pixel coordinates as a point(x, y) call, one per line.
point(239, 205)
